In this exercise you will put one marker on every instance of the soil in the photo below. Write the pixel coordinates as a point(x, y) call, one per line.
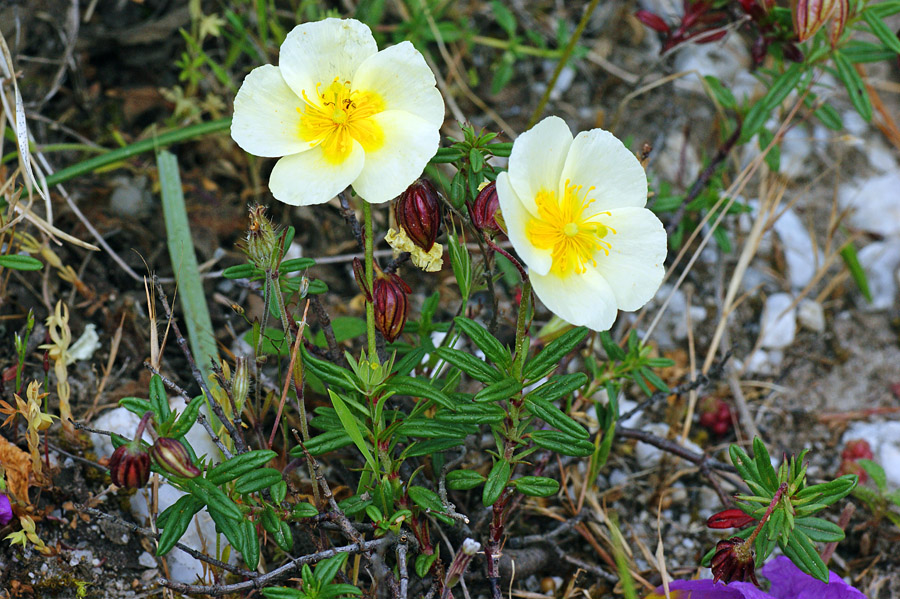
point(112, 70)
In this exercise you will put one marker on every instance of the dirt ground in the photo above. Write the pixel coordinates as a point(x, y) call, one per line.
point(109, 77)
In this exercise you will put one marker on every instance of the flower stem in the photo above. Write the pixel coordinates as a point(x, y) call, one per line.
point(522, 328)
point(762, 521)
point(369, 263)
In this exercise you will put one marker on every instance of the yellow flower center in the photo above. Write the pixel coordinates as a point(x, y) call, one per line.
point(566, 227)
point(337, 116)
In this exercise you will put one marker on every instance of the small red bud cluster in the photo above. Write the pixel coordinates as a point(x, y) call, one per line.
point(715, 416)
point(855, 450)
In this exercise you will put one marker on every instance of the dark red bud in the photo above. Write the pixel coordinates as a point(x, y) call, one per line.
point(391, 305)
point(485, 208)
point(733, 562)
point(359, 273)
point(173, 457)
point(652, 20)
point(129, 467)
point(418, 213)
point(730, 518)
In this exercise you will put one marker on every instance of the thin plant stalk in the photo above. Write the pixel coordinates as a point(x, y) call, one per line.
point(370, 276)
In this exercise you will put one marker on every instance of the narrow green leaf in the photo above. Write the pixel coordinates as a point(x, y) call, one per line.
point(18, 262)
point(549, 357)
point(560, 386)
point(351, 427)
point(463, 480)
point(496, 482)
point(256, 480)
point(555, 417)
point(536, 486)
point(187, 418)
point(469, 364)
point(415, 387)
point(802, 552)
point(764, 466)
point(562, 443)
point(504, 389)
point(238, 465)
point(327, 569)
point(429, 500)
point(492, 348)
point(851, 261)
point(819, 529)
point(175, 521)
point(856, 88)
point(479, 413)
point(881, 31)
point(875, 472)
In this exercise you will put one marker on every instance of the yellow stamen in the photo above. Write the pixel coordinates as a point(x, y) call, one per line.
point(337, 116)
point(567, 228)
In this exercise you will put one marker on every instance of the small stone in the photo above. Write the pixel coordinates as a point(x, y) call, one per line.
point(874, 203)
point(811, 315)
point(779, 322)
point(880, 260)
point(147, 560)
point(802, 257)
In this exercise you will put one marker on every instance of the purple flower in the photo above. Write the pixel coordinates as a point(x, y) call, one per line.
point(788, 582)
point(6, 513)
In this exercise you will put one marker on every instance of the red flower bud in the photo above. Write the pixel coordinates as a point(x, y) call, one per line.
point(418, 213)
point(733, 561)
point(731, 518)
point(129, 465)
point(485, 208)
point(173, 457)
point(129, 468)
point(359, 273)
point(391, 305)
point(809, 15)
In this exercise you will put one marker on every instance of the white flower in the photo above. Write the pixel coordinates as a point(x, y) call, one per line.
point(574, 211)
point(340, 113)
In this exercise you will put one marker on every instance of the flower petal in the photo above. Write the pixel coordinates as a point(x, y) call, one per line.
point(266, 121)
point(309, 178)
point(585, 299)
point(404, 81)
point(788, 581)
point(634, 268)
point(409, 143)
point(318, 52)
point(537, 160)
point(516, 216)
point(707, 589)
point(598, 159)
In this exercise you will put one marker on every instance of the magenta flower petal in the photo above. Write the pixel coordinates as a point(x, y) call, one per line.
point(789, 582)
point(6, 513)
point(707, 589)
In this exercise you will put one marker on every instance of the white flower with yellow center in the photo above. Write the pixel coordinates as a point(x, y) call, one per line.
point(574, 212)
point(340, 113)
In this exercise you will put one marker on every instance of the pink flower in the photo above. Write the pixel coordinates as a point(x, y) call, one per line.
point(787, 582)
point(6, 513)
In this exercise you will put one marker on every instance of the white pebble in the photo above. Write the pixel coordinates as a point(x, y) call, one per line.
point(811, 315)
point(779, 322)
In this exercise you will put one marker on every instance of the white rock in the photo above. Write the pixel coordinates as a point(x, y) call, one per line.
point(854, 124)
point(147, 560)
point(725, 60)
point(677, 160)
point(796, 146)
point(874, 203)
point(119, 421)
point(617, 477)
point(778, 324)
point(811, 315)
point(802, 257)
point(881, 157)
point(880, 260)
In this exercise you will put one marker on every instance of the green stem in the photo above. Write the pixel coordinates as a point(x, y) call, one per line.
point(563, 59)
point(370, 275)
point(521, 328)
point(493, 42)
point(146, 145)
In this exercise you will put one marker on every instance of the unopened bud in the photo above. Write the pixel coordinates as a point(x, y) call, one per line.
point(484, 210)
point(173, 457)
point(359, 273)
point(418, 213)
point(809, 16)
point(129, 465)
point(730, 518)
point(461, 561)
point(262, 240)
point(391, 305)
point(240, 382)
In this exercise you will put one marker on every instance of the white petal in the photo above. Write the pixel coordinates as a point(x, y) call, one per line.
point(266, 121)
point(409, 143)
point(318, 52)
point(537, 159)
point(597, 158)
point(579, 299)
point(308, 178)
point(400, 76)
point(635, 266)
point(516, 216)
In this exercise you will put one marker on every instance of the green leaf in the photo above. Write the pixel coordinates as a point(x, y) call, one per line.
point(241, 271)
point(819, 530)
point(303, 509)
point(480, 413)
point(754, 120)
point(555, 417)
point(856, 88)
point(415, 387)
point(256, 480)
point(187, 419)
point(548, 359)
point(562, 443)
point(745, 466)
point(135, 405)
point(345, 328)
point(424, 563)
point(336, 590)
point(830, 492)
point(19, 262)
point(505, 389)
point(351, 427)
point(278, 491)
point(476, 160)
point(783, 85)
point(282, 593)
point(875, 472)
point(560, 386)
point(329, 373)
point(851, 261)
point(536, 486)
point(612, 349)
point(495, 351)
point(327, 569)
point(721, 93)
point(238, 465)
point(830, 117)
point(496, 482)
point(250, 548)
point(433, 429)
point(802, 552)
point(504, 17)
point(429, 500)
point(295, 265)
point(463, 480)
point(461, 263)
point(502, 150)
point(215, 498)
point(175, 520)
point(447, 155)
point(764, 466)
point(159, 401)
point(475, 368)
point(881, 31)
